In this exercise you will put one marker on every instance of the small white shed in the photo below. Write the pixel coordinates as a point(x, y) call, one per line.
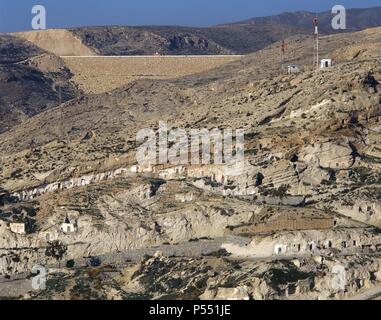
point(293, 69)
point(67, 227)
point(325, 63)
point(18, 228)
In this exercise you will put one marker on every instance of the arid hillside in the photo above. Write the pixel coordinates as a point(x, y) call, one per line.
point(102, 74)
point(236, 38)
point(251, 93)
point(28, 79)
point(306, 200)
point(57, 41)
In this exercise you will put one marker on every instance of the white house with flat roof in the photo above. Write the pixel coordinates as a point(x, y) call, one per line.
point(18, 228)
point(325, 63)
point(293, 69)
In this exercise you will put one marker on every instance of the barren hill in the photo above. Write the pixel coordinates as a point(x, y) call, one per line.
point(13, 50)
point(237, 38)
point(28, 77)
point(102, 74)
point(58, 41)
point(247, 93)
point(306, 200)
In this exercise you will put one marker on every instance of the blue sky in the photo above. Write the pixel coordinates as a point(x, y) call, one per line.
point(15, 15)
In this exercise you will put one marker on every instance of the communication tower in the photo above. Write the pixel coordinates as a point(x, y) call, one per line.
point(316, 43)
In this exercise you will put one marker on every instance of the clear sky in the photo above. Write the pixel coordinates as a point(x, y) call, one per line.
point(15, 15)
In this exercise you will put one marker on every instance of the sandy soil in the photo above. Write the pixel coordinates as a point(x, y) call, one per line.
point(57, 41)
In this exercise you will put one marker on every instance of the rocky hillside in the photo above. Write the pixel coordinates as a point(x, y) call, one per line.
point(59, 42)
point(148, 41)
point(309, 189)
point(239, 38)
point(28, 79)
point(206, 278)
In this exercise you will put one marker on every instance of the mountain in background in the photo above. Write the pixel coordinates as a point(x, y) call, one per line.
point(237, 38)
point(31, 71)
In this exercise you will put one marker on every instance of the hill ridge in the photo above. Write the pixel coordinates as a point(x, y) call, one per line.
point(241, 37)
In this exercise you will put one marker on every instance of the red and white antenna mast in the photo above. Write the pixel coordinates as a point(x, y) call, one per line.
point(316, 43)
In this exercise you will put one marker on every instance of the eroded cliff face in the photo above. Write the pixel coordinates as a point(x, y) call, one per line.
point(120, 216)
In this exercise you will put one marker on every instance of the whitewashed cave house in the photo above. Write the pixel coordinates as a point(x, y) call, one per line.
point(68, 226)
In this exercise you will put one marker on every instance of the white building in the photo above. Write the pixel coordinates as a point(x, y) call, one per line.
point(141, 169)
point(67, 227)
point(174, 172)
point(185, 197)
point(18, 228)
point(293, 69)
point(304, 242)
point(325, 63)
point(49, 236)
point(280, 249)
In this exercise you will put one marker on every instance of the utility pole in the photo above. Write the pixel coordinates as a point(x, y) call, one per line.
point(62, 115)
point(58, 87)
point(316, 43)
